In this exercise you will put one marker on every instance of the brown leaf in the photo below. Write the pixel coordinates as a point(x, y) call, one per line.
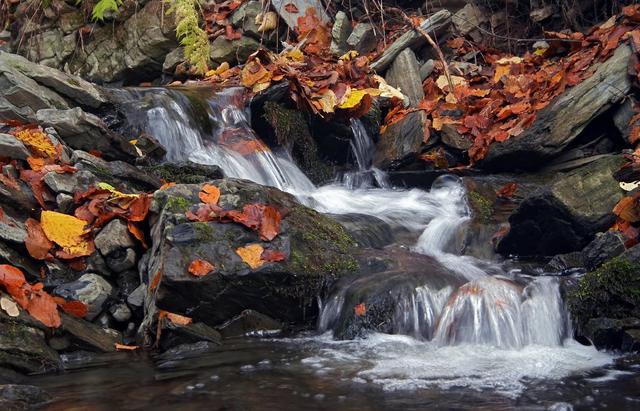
point(37, 243)
point(137, 233)
point(291, 8)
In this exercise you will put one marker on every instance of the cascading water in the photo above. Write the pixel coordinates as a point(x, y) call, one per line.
point(492, 330)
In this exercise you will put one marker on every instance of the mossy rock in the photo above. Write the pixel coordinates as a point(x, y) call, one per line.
point(611, 291)
point(317, 251)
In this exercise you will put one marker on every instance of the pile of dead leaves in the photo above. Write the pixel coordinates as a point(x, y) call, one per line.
point(500, 100)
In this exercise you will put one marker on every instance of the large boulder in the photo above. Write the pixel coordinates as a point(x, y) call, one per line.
point(132, 51)
point(562, 121)
point(316, 250)
point(566, 214)
point(400, 139)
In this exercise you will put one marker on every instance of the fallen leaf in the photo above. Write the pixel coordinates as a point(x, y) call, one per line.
point(38, 142)
point(178, 319)
point(68, 232)
point(137, 233)
point(209, 194)
point(251, 255)
point(200, 268)
point(156, 280)
point(291, 8)
point(74, 308)
point(123, 347)
point(360, 309)
point(37, 243)
point(508, 190)
point(272, 255)
point(9, 306)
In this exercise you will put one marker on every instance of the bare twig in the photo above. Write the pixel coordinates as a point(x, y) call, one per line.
point(433, 44)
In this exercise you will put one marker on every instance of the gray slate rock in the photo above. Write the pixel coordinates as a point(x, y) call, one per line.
point(426, 69)
point(113, 237)
point(120, 312)
point(23, 348)
point(362, 39)
point(404, 74)
point(136, 298)
point(400, 139)
point(175, 57)
point(12, 230)
point(249, 322)
point(22, 397)
point(91, 289)
point(92, 335)
point(233, 52)
point(122, 260)
point(12, 147)
point(340, 32)
point(558, 124)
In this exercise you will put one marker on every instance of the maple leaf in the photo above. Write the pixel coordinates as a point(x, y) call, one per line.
point(68, 232)
point(200, 268)
point(251, 254)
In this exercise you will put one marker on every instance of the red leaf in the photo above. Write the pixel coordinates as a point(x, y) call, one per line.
point(272, 256)
point(291, 8)
point(508, 190)
point(360, 309)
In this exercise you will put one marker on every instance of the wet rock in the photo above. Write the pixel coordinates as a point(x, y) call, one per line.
point(122, 260)
point(51, 48)
point(127, 283)
point(23, 347)
point(233, 52)
point(316, 249)
point(380, 298)
point(8, 376)
point(404, 74)
point(604, 247)
point(400, 139)
point(566, 214)
point(631, 340)
point(91, 289)
point(249, 322)
point(174, 334)
point(90, 336)
point(622, 118)
point(84, 131)
point(366, 230)
point(362, 39)
point(609, 333)
point(113, 237)
point(566, 261)
point(186, 351)
point(97, 264)
point(244, 18)
point(12, 147)
point(15, 397)
point(560, 123)
point(9, 255)
point(291, 18)
point(69, 183)
point(340, 32)
point(74, 88)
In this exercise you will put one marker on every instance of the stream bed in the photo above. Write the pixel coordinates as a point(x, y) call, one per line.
point(382, 372)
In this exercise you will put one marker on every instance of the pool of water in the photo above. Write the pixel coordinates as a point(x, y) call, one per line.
point(380, 373)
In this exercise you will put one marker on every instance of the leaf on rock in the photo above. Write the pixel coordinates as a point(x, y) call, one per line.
point(37, 243)
point(178, 319)
point(9, 306)
point(251, 254)
point(38, 142)
point(137, 232)
point(68, 232)
point(200, 268)
point(508, 190)
point(360, 309)
point(209, 194)
point(122, 347)
point(272, 256)
point(156, 280)
point(628, 209)
point(43, 308)
point(74, 308)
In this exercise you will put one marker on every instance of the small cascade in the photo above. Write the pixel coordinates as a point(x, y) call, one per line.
point(479, 303)
point(366, 175)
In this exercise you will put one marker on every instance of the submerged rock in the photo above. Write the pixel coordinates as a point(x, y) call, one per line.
point(316, 250)
point(249, 322)
point(14, 397)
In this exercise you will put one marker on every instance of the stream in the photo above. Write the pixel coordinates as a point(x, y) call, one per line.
point(485, 337)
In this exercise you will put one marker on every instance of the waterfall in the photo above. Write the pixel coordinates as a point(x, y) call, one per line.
point(491, 307)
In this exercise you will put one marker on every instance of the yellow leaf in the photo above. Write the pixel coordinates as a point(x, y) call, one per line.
point(443, 82)
point(116, 193)
point(268, 22)
point(501, 71)
point(133, 142)
point(253, 73)
point(295, 54)
point(353, 99)
point(251, 255)
point(510, 60)
point(221, 69)
point(37, 141)
point(67, 231)
point(349, 55)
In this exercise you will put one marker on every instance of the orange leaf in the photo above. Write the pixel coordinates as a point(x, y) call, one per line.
point(200, 268)
point(508, 190)
point(179, 319)
point(272, 256)
point(137, 233)
point(155, 281)
point(210, 194)
point(628, 209)
point(126, 347)
point(251, 255)
point(37, 243)
point(75, 308)
point(360, 309)
point(269, 223)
